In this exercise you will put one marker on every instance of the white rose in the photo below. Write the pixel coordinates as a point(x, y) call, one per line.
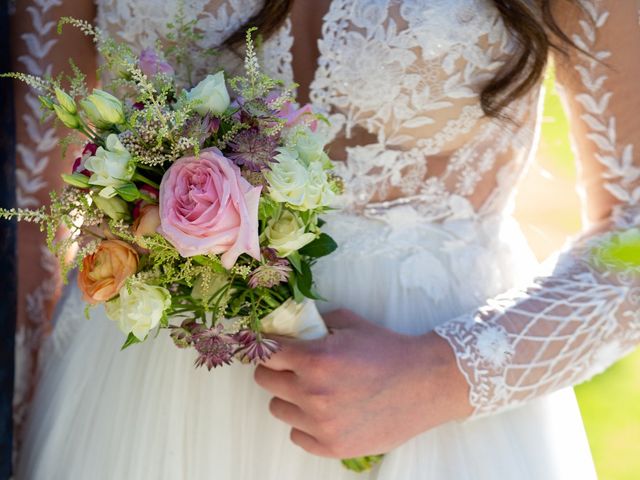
point(310, 147)
point(286, 234)
point(212, 95)
point(302, 187)
point(111, 167)
point(139, 308)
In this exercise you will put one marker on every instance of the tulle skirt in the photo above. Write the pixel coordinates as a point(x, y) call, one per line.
point(146, 413)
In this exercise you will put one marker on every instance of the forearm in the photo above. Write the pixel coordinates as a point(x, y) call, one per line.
point(559, 331)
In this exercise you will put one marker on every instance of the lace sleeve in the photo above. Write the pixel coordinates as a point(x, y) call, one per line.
point(573, 323)
point(38, 50)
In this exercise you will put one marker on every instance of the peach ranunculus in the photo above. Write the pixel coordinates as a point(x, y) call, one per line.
point(147, 222)
point(105, 271)
point(207, 207)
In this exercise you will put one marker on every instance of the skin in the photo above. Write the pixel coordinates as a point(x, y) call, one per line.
point(343, 399)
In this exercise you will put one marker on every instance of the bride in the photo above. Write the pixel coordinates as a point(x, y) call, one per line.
point(444, 352)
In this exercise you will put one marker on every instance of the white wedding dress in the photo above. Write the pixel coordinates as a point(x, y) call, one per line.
point(426, 242)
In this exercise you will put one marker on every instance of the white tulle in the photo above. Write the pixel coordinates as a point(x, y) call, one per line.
point(146, 413)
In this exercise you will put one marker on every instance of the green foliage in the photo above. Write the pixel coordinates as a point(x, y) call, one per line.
point(184, 47)
point(362, 464)
point(320, 247)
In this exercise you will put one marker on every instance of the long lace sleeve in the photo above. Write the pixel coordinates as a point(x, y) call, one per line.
point(576, 321)
point(37, 49)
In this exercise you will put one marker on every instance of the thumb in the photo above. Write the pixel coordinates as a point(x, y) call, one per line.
point(343, 319)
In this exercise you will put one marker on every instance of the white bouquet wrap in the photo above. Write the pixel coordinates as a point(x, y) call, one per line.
point(298, 320)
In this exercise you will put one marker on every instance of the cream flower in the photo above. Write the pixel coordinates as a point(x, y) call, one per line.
point(211, 94)
point(303, 187)
point(139, 308)
point(286, 234)
point(111, 167)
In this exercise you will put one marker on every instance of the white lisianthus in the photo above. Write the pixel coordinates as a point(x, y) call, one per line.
point(103, 109)
point(286, 234)
point(69, 120)
point(66, 101)
point(211, 94)
point(111, 167)
point(301, 186)
point(139, 308)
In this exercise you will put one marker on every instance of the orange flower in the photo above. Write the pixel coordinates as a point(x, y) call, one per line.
point(104, 272)
point(147, 222)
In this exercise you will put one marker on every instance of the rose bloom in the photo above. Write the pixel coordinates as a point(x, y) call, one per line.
point(147, 222)
point(139, 309)
point(207, 207)
point(105, 271)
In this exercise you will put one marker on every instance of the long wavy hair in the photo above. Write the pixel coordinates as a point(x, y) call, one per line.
point(536, 33)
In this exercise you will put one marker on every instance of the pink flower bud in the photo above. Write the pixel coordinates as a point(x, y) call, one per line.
point(151, 64)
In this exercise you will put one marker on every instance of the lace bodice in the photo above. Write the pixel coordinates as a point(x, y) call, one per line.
point(400, 81)
point(407, 73)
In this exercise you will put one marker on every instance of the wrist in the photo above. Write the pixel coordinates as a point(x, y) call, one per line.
point(445, 389)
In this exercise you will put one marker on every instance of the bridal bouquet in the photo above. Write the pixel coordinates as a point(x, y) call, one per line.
point(192, 208)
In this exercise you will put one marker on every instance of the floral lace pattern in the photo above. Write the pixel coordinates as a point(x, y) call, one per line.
point(396, 71)
point(567, 327)
point(34, 157)
point(412, 81)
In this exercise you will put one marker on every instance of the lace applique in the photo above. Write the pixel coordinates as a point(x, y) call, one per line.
point(412, 80)
point(32, 162)
point(33, 157)
point(622, 174)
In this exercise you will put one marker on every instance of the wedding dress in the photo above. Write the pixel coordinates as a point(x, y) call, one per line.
point(426, 242)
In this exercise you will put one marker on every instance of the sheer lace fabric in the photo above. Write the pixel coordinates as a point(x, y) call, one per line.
point(572, 324)
point(38, 50)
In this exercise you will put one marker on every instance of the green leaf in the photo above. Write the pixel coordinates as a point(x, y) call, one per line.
point(362, 464)
point(295, 260)
point(305, 282)
point(76, 180)
point(320, 247)
point(131, 340)
point(128, 192)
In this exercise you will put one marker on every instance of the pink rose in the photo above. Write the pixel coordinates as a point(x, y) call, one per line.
point(206, 207)
point(151, 65)
point(295, 116)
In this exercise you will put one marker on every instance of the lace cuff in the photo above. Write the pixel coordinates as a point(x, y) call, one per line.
point(559, 331)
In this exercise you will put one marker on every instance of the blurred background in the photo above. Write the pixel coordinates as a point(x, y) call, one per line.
point(610, 403)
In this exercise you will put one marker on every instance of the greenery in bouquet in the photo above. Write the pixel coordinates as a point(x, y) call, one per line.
point(192, 207)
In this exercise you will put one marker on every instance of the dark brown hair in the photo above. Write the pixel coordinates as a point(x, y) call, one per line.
point(531, 22)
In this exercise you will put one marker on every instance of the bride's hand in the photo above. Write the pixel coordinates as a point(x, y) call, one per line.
point(362, 389)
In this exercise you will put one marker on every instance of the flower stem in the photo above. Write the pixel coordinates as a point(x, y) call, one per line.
point(143, 179)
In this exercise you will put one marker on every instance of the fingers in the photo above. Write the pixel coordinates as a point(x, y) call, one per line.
point(291, 355)
point(289, 413)
point(281, 384)
point(308, 443)
point(342, 319)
